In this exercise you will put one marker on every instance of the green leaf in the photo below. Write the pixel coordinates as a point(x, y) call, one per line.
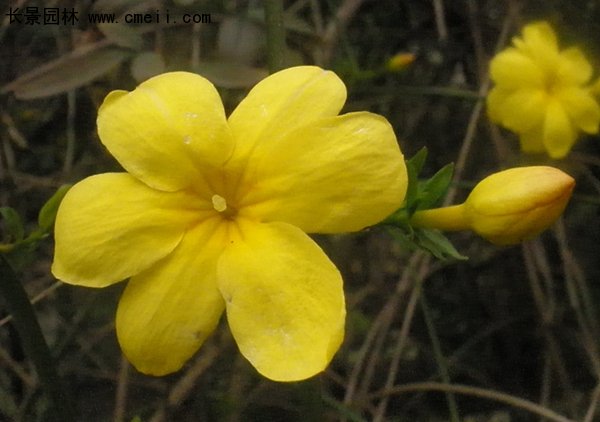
point(71, 71)
point(433, 190)
point(437, 244)
point(413, 168)
point(48, 212)
point(404, 238)
point(418, 160)
point(13, 223)
point(431, 241)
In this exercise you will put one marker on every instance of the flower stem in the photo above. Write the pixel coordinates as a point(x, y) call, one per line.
point(447, 218)
point(275, 34)
point(33, 342)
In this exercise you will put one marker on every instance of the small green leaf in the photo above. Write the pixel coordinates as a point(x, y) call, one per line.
point(434, 189)
point(432, 241)
point(404, 238)
point(437, 244)
point(418, 160)
point(13, 224)
point(413, 168)
point(48, 212)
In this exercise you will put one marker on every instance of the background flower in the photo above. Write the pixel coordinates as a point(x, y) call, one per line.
point(541, 93)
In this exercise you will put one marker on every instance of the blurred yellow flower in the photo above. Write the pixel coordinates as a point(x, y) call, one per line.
point(400, 61)
point(212, 213)
point(541, 93)
point(506, 207)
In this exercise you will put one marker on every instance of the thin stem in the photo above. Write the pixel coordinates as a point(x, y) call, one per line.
point(275, 34)
point(497, 396)
point(439, 358)
point(450, 218)
point(70, 150)
point(33, 342)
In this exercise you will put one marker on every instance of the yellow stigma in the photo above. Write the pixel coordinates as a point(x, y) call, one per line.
point(219, 203)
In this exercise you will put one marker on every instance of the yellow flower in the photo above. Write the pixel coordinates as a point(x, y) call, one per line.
point(541, 93)
point(400, 61)
point(212, 213)
point(506, 207)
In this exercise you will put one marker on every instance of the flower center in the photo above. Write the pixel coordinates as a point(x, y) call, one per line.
point(220, 205)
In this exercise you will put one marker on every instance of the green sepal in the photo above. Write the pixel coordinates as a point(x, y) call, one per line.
point(413, 169)
point(420, 195)
point(437, 244)
point(432, 191)
point(48, 212)
point(432, 241)
point(20, 250)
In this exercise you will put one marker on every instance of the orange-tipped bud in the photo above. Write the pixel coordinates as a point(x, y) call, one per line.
point(507, 207)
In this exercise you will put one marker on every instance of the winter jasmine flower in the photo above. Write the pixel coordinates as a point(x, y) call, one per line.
point(212, 213)
point(542, 93)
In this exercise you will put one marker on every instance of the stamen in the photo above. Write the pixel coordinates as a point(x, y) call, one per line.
point(219, 203)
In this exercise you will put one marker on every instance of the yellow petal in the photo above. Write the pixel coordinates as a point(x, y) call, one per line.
point(559, 133)
point(111, 226)
point(339, 174)
point(582, 108)
point(167, 312)
point(539, 41)
point(573, 68)
point(283, 102)
point(495, 103)
point(520, 110)
point(532, 141)
point(512, 69)
point(167, 131)
point(284, 298)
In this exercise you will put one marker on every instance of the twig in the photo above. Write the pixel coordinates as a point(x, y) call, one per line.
point(275, 34)
point(70, 150)
point(440, 20)
point(423, 267)
point(377, 334)
point(478, 392)
point(337, 25)
point(474, 119)
point(593, 407)
point(33, 342)
point(121, 395)
point(440, 359)
point(184, 386)
point(11, 364)
point(43, 294)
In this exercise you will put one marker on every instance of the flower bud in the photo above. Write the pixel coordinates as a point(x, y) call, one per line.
point(400, 61)
point(506, 207)
point(518, 204)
